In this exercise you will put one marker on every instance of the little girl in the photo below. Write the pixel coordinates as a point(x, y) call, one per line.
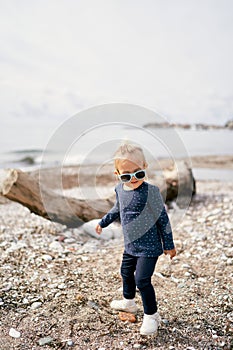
point(147, 233)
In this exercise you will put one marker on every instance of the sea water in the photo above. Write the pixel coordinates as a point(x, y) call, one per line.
point(96, 146)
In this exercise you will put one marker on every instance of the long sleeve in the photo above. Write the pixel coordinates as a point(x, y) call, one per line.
point(164, 227)
point(162, 220)
point(112, 215)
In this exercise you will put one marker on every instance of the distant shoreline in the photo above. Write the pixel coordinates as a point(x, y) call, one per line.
point(196, 126)
point(207, 162)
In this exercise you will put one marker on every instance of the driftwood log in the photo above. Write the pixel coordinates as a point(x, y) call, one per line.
point(27, 190)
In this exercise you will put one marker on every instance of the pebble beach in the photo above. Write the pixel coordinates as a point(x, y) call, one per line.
point(57, 283)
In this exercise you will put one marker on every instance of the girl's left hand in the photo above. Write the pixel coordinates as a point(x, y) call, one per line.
point(171, 252)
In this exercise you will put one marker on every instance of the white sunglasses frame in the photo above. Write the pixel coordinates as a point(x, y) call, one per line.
point(132, 175)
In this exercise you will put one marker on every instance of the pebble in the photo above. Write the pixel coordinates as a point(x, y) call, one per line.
point(7, 288)
point(202, 279)
point(36, 305)
point(56, 246)
point(16, 246)
point(89, 247)
point(159, 275)
point(126, 316)
point(165, 321)
point(69, 240)
point(201, 220)
point(84, 258)
point(47, 257)
point(216, 211)
point(137, 346)
point(186, 266)
point(93, 305)
point(174, 279)
point(70, 343)
point(69, 234)
point(57, 295)
point(45, 340)
point(222, 344)
point(14, 333)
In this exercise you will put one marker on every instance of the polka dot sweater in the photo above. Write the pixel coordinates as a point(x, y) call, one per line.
point(145, 223)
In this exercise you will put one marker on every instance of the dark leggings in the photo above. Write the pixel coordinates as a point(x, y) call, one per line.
point(137, 271)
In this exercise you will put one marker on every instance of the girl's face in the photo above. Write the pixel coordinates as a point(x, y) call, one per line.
point(125, 166)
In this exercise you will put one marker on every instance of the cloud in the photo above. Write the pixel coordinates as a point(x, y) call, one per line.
point(61, 57)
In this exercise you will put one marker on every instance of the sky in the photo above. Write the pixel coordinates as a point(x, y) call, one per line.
point(59, 57)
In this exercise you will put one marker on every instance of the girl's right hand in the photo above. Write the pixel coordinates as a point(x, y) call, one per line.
point(98, 229)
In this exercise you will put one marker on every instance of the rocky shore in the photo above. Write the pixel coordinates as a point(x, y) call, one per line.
point(56, 284)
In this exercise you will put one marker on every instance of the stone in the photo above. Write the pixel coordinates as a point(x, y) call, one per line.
point(127, 316)
point(89, 247)
point(93, 305)
point(70, 343)
point(186, 266)
point(36, 305)
point(80, 298)
point(165, 321)
point(14, 333)
point(16, 246)
point(68, 234)
point(47, 257)
point(7, 287)
point(69, 240)
point(56, 246)
point(45, 341)
point(174, 279)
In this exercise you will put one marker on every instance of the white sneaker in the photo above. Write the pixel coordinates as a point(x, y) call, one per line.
point(127, 305)
point(150, 324)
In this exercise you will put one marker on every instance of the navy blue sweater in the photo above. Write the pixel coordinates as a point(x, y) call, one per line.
point(145, 223)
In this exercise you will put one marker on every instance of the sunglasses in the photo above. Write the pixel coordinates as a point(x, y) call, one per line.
point(139, 175)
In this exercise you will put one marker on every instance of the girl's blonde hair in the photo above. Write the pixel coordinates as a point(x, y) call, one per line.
point(129, 151)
